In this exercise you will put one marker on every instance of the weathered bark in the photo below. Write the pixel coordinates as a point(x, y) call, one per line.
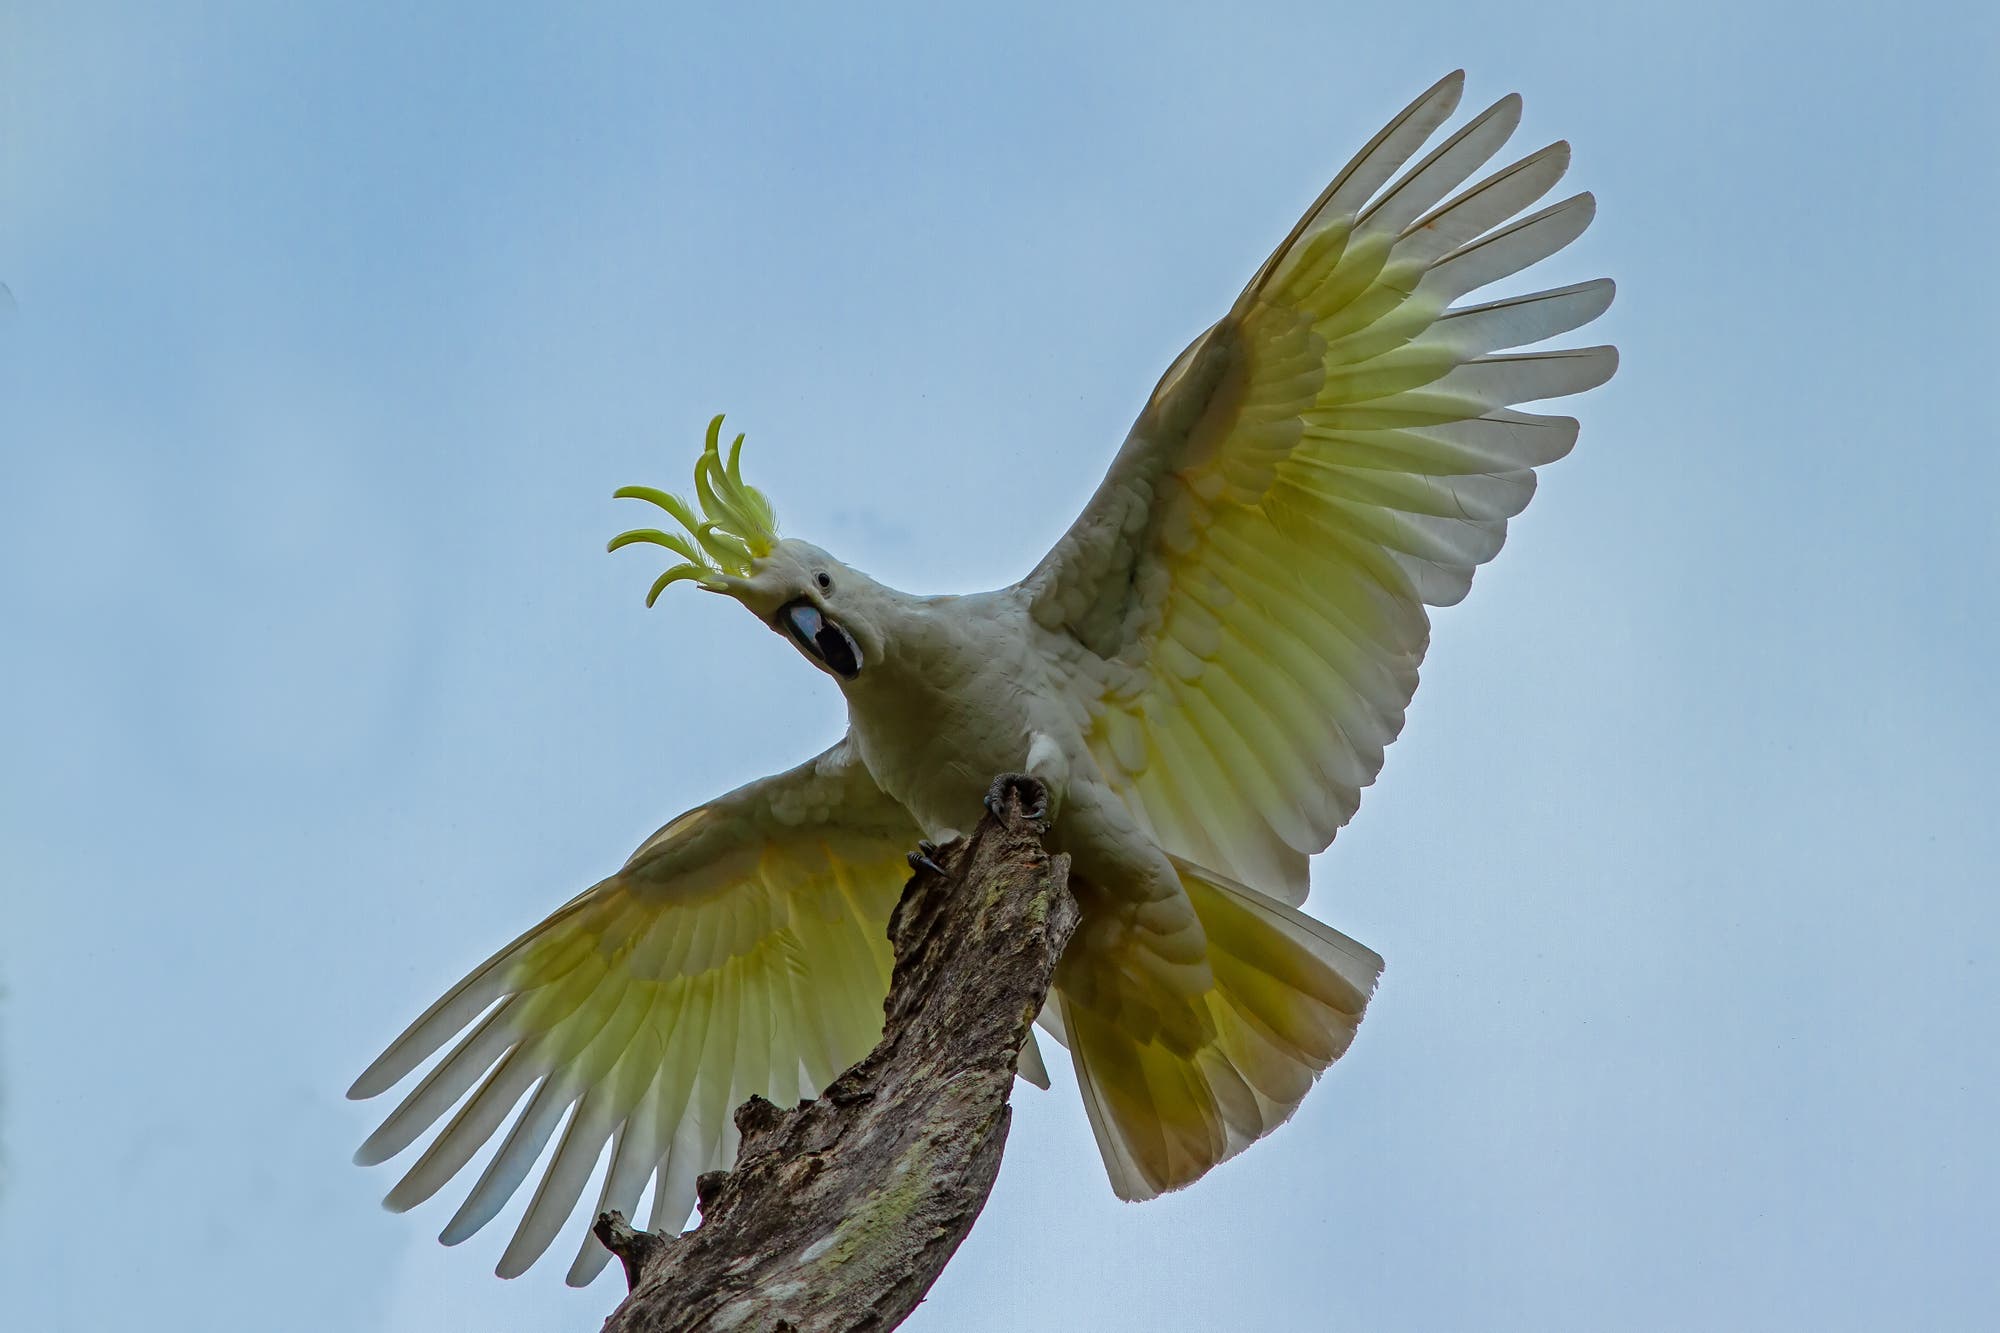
point(841, 1213)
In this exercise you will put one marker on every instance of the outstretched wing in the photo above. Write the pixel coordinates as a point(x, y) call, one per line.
point(1242, 604)
point(743, 949)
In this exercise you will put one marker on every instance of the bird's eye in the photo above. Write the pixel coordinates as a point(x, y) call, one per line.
point(825, 582)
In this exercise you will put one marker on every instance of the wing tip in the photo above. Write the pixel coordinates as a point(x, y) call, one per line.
point(400, 1200)
point(590, 1261)
point(1446, 92)
point(371, 1083)
point(1601, 291)
point(380, 1146)
point(1557, 153)
point(1600, 364)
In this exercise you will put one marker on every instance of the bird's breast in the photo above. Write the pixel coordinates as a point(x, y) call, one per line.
point(935, 737)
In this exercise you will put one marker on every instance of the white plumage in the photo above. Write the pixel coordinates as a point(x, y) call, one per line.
point(1204, 671)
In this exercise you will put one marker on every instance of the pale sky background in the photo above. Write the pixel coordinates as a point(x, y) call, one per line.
point(336, 328)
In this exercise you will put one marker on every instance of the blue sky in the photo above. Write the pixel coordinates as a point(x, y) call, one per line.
point(338, 326)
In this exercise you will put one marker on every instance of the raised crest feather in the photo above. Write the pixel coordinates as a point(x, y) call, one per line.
point(734, 527)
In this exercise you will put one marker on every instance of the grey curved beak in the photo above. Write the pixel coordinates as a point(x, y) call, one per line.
point(822, 637)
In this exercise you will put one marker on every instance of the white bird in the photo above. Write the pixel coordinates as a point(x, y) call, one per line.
point(1203, 674)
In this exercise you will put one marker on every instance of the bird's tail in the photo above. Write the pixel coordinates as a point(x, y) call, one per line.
point(1287, 995)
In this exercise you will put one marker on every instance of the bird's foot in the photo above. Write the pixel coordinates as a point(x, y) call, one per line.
point(925, 858)
point(1032, 796)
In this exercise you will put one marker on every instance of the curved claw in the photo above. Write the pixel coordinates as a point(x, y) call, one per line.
point(924, 858)
point(1027, 790)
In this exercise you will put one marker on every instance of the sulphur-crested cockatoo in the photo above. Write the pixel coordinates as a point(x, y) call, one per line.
point(1203, 674)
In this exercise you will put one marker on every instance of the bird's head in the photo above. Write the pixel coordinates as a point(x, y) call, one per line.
point(831, 613)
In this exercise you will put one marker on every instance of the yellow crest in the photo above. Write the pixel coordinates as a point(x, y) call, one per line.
point(736, 524)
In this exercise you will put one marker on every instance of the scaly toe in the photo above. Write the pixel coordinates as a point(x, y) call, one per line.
point(1023, 786)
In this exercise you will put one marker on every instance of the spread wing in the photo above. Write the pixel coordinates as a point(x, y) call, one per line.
point(742, 949)
point(1242, 604)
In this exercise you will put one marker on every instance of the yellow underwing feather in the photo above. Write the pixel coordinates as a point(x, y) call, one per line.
point(1246, 595)
point(738, 952)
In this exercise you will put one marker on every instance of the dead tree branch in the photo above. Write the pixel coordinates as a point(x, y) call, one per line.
point(841, 1213)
